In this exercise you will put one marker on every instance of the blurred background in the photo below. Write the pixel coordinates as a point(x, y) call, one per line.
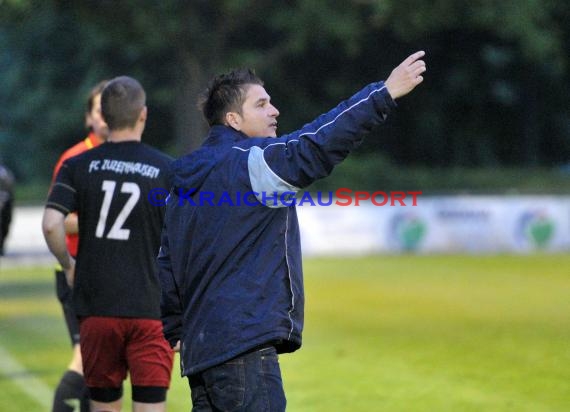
point(403, 312)
point(493, 114)
point(492, 117)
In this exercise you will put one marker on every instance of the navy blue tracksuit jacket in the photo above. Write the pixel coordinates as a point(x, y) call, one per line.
point(230, 258)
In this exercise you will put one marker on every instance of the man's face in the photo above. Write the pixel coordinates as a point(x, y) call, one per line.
point(94, 119)
point(258, 116)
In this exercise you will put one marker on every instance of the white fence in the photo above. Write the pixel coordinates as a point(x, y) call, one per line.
point(454, 224)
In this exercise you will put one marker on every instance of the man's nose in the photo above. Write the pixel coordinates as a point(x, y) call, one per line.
point(274, 111)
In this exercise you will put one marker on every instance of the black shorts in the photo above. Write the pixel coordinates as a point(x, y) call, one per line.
point(63, 292)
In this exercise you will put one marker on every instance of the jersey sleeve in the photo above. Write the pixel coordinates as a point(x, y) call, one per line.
point(63, 194)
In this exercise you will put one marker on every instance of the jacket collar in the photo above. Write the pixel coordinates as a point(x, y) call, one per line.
point(219, 134)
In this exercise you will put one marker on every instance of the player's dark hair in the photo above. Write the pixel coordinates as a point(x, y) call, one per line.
point(226, 93)
point(121, 102)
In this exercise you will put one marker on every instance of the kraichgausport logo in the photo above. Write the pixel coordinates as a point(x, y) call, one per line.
point(340, 197)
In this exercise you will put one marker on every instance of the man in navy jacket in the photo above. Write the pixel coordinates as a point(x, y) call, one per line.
point(230, 258)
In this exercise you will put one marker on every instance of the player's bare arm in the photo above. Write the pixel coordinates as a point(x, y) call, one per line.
point(406, 76)
point(54, 232)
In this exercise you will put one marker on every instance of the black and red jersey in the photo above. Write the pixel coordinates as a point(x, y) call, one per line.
point(119, 228)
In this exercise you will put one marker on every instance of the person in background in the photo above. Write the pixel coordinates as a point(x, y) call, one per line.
point(230, 266)
point(71, 389)
point(6, 204)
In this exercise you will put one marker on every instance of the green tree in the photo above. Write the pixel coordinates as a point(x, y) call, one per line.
point(492, 94)
point(172, 46)
point(495, 71)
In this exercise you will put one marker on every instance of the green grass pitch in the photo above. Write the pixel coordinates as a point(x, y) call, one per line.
point(390, 333)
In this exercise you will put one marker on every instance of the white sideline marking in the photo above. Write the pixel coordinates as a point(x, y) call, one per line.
point(13, 371)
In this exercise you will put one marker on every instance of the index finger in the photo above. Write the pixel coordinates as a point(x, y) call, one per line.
point(412, 58)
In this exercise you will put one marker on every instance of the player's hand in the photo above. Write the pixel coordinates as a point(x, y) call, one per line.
point(176, 348)
point(71, 224)
point(406, 76)
point(70, 273)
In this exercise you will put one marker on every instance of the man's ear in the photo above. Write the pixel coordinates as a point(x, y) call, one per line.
point(87, 120)
point(144, 113)
point(233, 120)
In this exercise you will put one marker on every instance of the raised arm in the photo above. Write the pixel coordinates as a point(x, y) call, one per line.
point(296, 160)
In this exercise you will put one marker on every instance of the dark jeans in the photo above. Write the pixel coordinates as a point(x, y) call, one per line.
point(251, 382)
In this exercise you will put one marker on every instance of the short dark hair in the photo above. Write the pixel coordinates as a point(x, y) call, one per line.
point(121, 102)
point(225, 93)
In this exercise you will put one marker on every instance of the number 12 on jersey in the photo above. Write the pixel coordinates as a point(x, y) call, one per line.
point(117, 231)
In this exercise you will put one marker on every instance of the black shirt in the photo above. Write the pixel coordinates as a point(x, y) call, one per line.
point(119, 227)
